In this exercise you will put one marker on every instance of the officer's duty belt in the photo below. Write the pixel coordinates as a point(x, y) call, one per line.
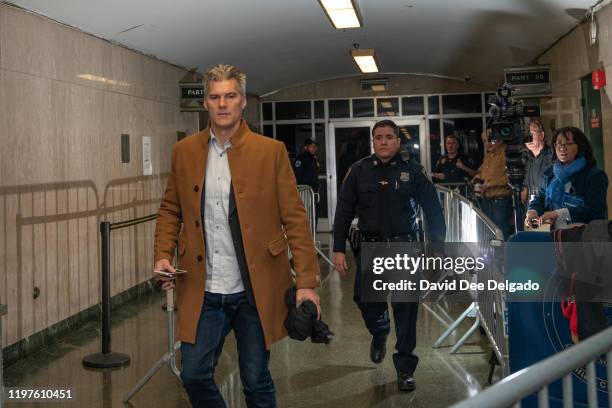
point(376, 238)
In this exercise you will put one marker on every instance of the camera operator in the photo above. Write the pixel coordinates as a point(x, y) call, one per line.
point(575, 188)
point(539, 160)
point(496, 194)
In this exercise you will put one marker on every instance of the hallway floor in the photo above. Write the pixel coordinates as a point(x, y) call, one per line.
point(309, 375)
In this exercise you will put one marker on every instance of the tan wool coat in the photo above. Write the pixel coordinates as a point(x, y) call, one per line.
point(271, 215)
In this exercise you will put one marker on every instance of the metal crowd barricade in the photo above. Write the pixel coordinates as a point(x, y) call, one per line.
point(536, 378)
point(308, 198)
point(465, 222)
point(3, 310)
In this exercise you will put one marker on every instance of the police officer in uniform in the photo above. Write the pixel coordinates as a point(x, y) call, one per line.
point(385, 190)
point(306, 167)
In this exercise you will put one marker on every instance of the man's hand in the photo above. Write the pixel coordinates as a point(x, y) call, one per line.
point(531, 215)
point(549, 217)
point(340, 263)
point(164, 265)
point(308, 294)
point(459, 164)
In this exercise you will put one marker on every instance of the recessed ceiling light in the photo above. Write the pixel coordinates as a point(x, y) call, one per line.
point(342, 13)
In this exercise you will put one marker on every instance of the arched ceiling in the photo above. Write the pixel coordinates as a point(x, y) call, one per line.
point(278, 43)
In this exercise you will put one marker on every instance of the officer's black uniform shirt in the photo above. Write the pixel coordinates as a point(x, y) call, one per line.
point(306, 170)
point(448, 166)
point(372, 189)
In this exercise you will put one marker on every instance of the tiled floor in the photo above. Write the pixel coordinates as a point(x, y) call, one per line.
point(306, 375)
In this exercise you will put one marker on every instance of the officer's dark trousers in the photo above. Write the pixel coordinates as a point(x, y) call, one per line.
point(376, 318)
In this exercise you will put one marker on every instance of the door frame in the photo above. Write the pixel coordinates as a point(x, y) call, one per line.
point(330, 158)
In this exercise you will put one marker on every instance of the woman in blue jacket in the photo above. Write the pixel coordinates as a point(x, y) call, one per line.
point(574, 189)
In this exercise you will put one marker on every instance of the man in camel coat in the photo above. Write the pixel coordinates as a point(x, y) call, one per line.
point(232, 207)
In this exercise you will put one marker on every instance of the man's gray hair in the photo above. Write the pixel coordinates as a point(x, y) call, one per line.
point(221, 72)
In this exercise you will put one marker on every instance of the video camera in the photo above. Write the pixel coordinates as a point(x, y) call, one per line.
point(508, 125)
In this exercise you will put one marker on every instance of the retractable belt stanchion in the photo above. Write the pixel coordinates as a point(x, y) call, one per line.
point(168, 358)
point(106, 359)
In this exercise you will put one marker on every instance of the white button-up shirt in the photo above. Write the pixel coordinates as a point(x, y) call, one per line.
point(222, 271)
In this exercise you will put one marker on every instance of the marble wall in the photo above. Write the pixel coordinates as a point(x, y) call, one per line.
point(65, 99)
point(571, 59)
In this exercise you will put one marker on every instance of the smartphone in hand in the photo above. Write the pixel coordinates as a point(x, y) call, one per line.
point(169, 274)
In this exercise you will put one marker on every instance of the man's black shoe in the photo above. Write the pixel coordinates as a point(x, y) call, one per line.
point(405, 382)
point(378, 348)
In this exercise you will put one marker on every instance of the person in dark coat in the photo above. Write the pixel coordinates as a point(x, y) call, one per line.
point(574, 189)
point(306, 167)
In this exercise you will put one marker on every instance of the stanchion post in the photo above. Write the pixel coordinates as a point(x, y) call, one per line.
point(106, 359)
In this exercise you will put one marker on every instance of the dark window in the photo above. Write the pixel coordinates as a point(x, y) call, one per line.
point(293, 110)
point(339, 108)
point(468, 130)
point(268, 130)
point(293, 136)
point(462, 103)
point(321, 206)
point(433, 104)
point(413, 105)
point(435, 149)
point(486, 101)
point(387, 107)
point(319, 108)
point(363, 108)
point(267, 111)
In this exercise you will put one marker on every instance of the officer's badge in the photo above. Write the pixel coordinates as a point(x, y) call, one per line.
point(297, 163)
point(443, 160)
point(404, 176)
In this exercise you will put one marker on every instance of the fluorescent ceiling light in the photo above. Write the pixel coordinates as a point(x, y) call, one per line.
point(96, 78)
point(379, 88)
point(365, 60)
point(342, 13)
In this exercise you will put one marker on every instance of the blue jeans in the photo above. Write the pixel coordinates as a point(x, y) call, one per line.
point(220, 314)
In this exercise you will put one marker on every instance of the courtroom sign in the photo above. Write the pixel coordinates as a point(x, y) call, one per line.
point(529, 81)
point(192, 97)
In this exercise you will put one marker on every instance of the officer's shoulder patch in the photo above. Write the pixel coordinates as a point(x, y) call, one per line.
point(297, 163)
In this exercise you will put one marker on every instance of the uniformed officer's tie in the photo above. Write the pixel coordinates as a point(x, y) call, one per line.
point(384, 204)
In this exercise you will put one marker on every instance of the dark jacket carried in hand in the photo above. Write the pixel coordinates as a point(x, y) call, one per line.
point(302, 322)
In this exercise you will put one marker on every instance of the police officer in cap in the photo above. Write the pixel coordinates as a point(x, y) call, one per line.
point(385, 190)
point(306, 167)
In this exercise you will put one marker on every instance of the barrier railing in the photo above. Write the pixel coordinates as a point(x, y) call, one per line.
point(465, 222)
point(308, 198)
point(536, 378)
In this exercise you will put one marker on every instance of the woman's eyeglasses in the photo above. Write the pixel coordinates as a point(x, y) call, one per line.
point(563, 146)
